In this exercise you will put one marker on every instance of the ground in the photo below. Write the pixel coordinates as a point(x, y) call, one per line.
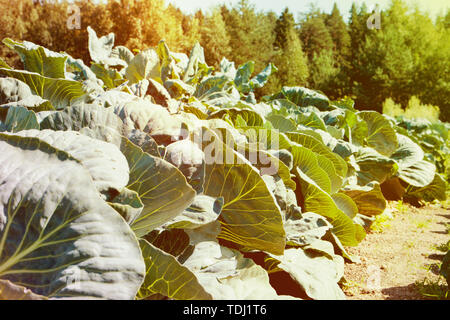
point(401, 256)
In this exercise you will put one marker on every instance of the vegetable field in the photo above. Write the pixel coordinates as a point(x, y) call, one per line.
point(151, 175)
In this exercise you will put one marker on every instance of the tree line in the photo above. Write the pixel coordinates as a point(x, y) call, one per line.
point(408, 56)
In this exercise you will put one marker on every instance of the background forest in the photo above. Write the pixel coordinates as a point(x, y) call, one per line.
point(402, 65)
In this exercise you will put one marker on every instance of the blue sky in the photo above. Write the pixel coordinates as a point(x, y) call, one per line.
point(434, 7)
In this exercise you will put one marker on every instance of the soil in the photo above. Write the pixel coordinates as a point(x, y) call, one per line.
point(401, 261)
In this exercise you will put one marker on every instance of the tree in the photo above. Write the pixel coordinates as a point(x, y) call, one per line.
point(339, 35)
point(14, 23)
point(215, 38)
point(356, 70)
point(289, 57)
point(323, 73)
point(283, 26)
point(432, 61)
point(251, 34)
point(315, 35)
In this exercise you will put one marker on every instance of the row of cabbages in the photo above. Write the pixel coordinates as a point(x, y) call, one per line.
point(153, 176)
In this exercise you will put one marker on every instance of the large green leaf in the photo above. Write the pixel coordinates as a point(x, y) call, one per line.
point(203, 210)
point(281, 123)
point(408, 152)
point(60, 92)
point(162, 188)
point(50, 226)
point(374, 167)
point(111, 78)
point(311, 120)
point(381, 135)
point(304, 97)
point(178, 89)
point(166, 276)
point(39, 59)
point(127, 203)
point(318, 147)
point(106, 164)
point(306, 160)
point(356, 129)
point(122, 53)
point(270, 163)
point(306, 157)
point(305, 231)
point(420, 174)
point(167, 62)
point(434, 190)
point(243, 74)
point(345, 204)
point(216, 90)
point(227, 275)
point(19, 118)
point(319, 201)
point(327, 165)
point(196, 67)
point(15, 93)
point(317, 275)
point(251, 118)
point(261, 78)
point(144, 65)
point(100, 49)
point(31, 103)
point(189, 159)
point(152, 119)
point(413, 169)
point(250, 216)
point(369, 199)
point(13, 90)
point(106, 125)
point(79, 71)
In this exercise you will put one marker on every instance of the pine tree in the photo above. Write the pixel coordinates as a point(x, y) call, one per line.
point(251, 34)
point(315, 35)
point(215, 38)
point(357, 30)
point(339, 35)
point(282, 27)
point(338, 83)
point(289, 57)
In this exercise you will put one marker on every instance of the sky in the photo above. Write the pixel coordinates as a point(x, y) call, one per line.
point(434, 7)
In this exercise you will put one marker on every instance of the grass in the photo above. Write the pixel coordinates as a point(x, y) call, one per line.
point(422, 224)
point(401, 208)
point(414, 110)
point(350, 287)
point(447, 228)
point(435, 289)
point(382, 222)
point(444, 247)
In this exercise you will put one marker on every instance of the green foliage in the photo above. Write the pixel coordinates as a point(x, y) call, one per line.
point(154, 176)
point(315, 35)
point(407, 57)
point(289, 56)
point(414, 110)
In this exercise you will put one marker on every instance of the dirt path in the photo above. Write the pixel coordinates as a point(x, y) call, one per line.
point(403, 260)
